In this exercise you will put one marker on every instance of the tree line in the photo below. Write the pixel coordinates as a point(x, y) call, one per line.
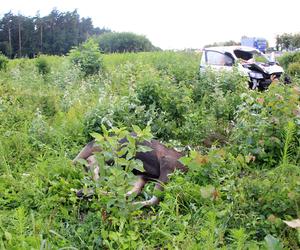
point(226, 43)
point(53, 34)
point(120, 42)
point(288, 41)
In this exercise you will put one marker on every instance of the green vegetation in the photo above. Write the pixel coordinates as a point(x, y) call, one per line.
point(53, 34)
point(287, 41)
point(3, 62)
point(58, 32)
point(294, 69)
point(288, 58)
point(227, 43)
point(42, 65)
point(87, 57)
point(243, 179)
point(291, 62)
point(114, 42)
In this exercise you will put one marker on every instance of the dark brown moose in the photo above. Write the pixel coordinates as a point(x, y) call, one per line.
point(158, 163)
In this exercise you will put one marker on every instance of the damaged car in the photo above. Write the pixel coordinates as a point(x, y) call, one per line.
point(260, 69)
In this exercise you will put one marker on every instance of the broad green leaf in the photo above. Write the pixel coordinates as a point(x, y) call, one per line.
point(108, 155)
point(131, 140)
point(97, 136)
point(147, 134)
point(272, 243)
point(122, 151)
point(137, 130)
point(7, 236)
point(123, 162)
point(129, 155)
point(193, 154)
point(83, 162)
point(139, 165)
point(144, 149)
point(105, 132)
point(185, 160)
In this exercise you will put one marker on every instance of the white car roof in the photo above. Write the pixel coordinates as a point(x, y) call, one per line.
point(230, 49)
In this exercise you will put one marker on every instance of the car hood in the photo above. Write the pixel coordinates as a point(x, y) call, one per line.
point(264, 68)
point(271, 69)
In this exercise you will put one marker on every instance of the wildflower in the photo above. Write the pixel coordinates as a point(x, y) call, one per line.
point(296, 111)
point(279, 97)
point(296, 90)
point(260, 100)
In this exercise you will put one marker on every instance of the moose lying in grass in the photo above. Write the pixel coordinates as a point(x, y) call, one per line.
point(158, 161)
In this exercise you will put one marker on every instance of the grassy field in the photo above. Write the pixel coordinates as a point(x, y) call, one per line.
point(243, 179)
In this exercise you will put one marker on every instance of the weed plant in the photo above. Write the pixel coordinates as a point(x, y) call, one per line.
point(243, 178)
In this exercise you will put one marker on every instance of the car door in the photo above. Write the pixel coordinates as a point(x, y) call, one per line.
point(216, 61)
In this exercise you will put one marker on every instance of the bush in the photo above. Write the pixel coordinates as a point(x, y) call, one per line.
point(3, 62)
point(234, 196)
point(124, 42)
point(171, 102)
point(261, 124)
point(216, 98)
point(87, 57)
point(294, 68)
point(42, 65)
point(265, 200)
point(289, 58)
point(179, 66)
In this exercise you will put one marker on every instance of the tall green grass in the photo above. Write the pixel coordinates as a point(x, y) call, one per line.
point(235, 195)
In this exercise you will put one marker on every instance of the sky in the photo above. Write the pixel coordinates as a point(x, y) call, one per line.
point(178, 24)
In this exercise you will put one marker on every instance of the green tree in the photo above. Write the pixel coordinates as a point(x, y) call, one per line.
point(54, 34)
point(3, 62)
point(6, 34)
point(227, 43)
point(287, 41)
point(87, 56)
point(124, 42)
point(296, 40)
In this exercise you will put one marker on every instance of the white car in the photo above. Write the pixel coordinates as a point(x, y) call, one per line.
point(260, 69)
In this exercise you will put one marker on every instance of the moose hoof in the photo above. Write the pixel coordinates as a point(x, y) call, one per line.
point(129, 193)
point(153, 201)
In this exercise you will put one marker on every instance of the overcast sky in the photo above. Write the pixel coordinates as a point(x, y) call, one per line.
point(178, 24)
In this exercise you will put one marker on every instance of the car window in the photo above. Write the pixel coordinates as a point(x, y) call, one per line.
point(260, 58)
point(217, 58)
point(244, 55)
point(251, 56)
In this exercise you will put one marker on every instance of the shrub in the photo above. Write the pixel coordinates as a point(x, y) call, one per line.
point(124, 42)
point(294, 68)
point(266, 199)
point(122, 112)
point(172, 102)
point(216, 98)
point(3, 62)
point(261, 122)
point(178, 66)
point(234, 196)
point(87, 57)
point(42, 65)
point(289, 58)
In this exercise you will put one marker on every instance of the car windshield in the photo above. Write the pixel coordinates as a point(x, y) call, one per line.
point(258, 57)
point(217, 58)
point(250, 56)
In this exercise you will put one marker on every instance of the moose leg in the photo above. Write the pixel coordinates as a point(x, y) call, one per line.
point(93, 165)
point(166, 168)
point(138, 186)
point(87, 151)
